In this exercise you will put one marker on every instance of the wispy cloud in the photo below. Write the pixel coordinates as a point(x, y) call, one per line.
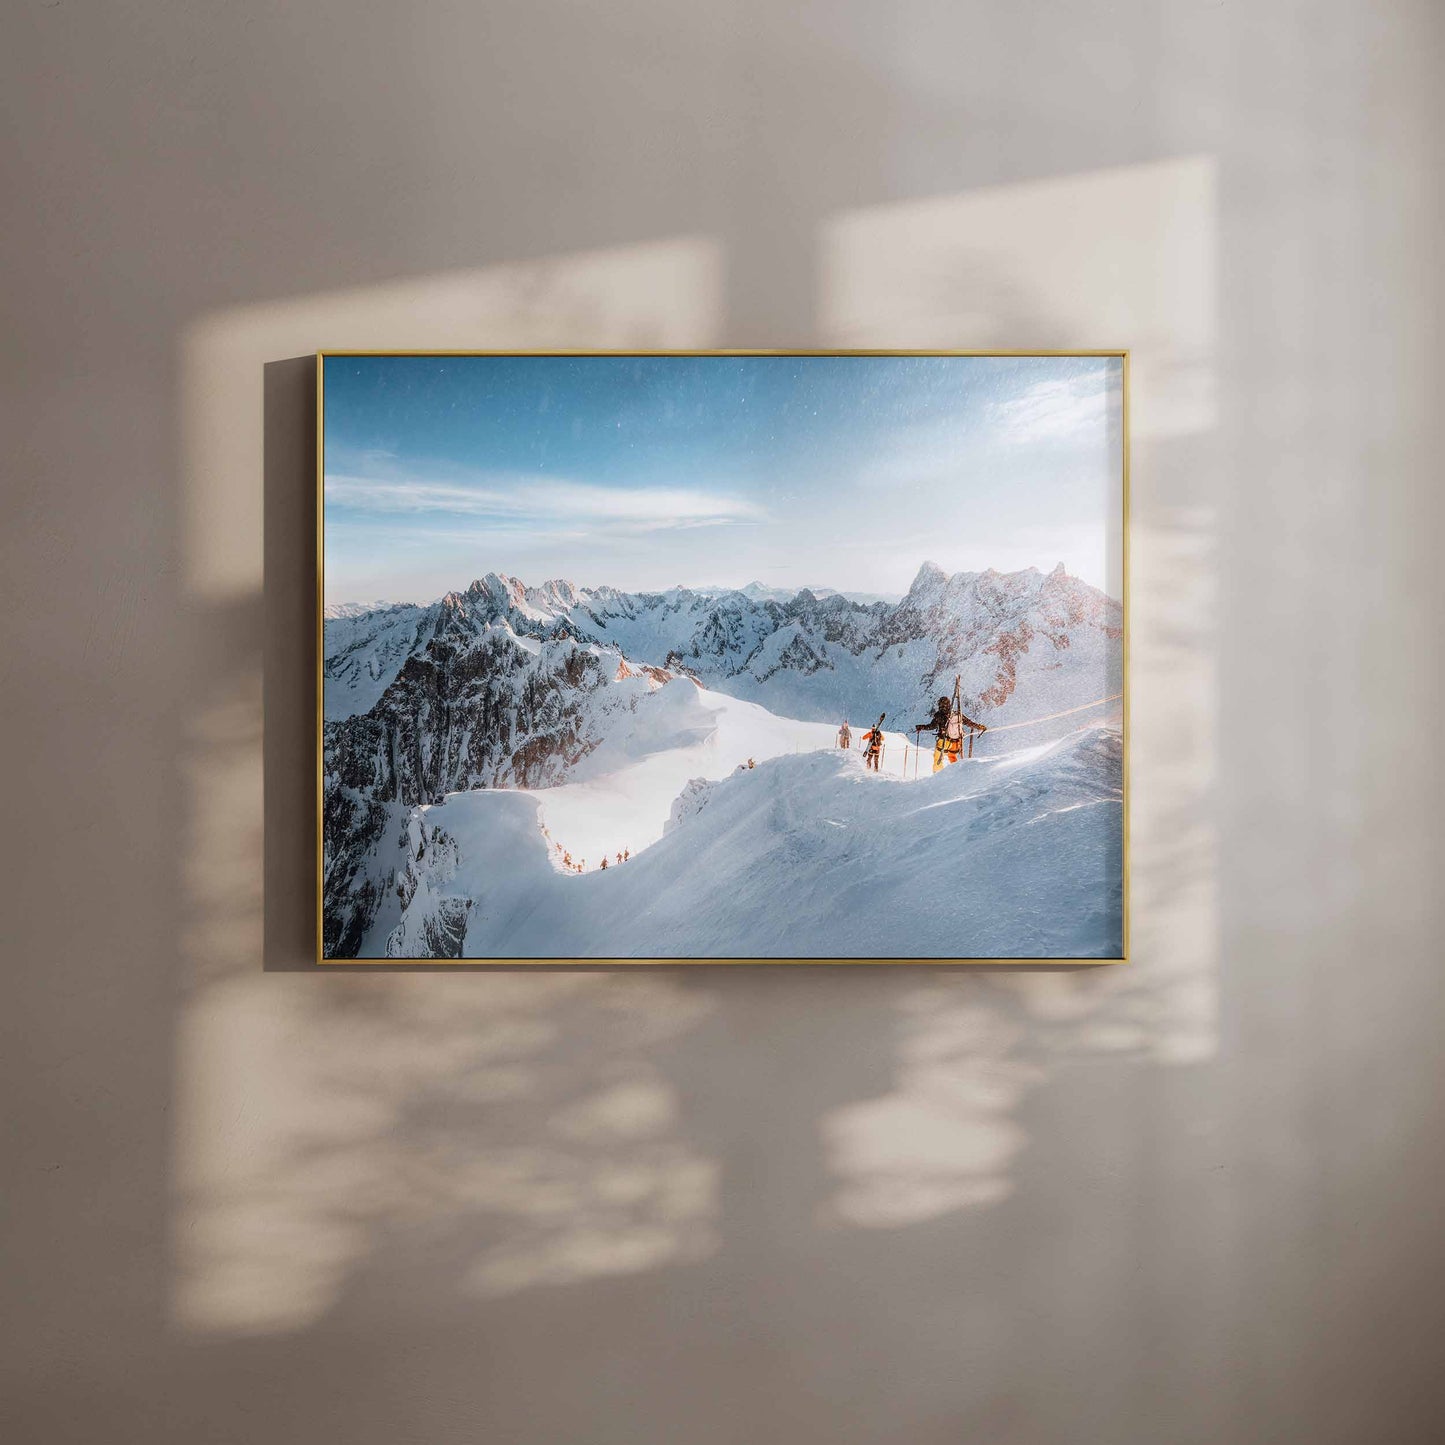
point(544, 501)
point(1064, 417)
point(1061, 409)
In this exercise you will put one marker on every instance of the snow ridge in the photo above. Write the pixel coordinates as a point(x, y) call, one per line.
point(802, 856)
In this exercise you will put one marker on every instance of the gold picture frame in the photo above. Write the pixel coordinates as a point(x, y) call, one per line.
point(1121, 354)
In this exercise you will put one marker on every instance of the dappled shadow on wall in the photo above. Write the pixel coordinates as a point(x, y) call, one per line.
point(353, 1144)
point(474, 1135)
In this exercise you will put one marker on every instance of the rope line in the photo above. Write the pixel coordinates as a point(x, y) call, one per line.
point(1067, 712)
point(919, 749)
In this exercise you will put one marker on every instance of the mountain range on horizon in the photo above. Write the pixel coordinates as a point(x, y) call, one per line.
point(717, 634)
point(755, 591)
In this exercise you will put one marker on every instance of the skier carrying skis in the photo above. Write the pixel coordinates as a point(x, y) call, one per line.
point(873, 745)
point(938, 724)
point(947, 723)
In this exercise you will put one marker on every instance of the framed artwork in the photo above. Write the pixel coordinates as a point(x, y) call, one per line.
point(718, 657)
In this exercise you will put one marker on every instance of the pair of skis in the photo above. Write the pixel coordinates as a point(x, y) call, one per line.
point(964, 721)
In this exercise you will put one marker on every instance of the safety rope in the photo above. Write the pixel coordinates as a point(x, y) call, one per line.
point(1067, 712)
point(1003, 728)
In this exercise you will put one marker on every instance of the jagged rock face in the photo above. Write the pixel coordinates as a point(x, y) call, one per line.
point(437, 927)
point(457, 716)
point(477, 707)
point(383, 856)
point(354, 832)
point(365, 650)
point(985, 622)
point(689, 802)
point(440, 931)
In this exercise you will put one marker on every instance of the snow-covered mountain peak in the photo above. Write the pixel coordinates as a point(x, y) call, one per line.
point(929, 582)
point(359, 609)
point(557, 594)
point(498, 589)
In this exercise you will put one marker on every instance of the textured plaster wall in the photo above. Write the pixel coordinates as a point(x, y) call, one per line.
point(1192, 1201)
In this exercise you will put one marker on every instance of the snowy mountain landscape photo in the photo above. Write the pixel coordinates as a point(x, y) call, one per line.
point(722, 657)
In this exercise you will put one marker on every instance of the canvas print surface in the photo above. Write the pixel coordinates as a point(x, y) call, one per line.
point(722, 657)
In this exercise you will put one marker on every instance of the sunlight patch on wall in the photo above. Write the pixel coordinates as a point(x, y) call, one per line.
point(1127, 258)
point(608, 1190)
point(330, 1129)
point(349, 1132)
point(945, 1138)
point(664, 293)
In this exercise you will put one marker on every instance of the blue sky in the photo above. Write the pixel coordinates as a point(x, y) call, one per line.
point(647, 472)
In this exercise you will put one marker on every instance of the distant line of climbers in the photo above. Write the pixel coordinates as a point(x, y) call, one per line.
point(580, 866)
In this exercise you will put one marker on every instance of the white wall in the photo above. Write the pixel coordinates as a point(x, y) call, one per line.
point(1191, 1201)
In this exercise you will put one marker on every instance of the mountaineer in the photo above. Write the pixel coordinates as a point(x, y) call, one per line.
point(947, 724)
point(873, 744)
point(938, 723)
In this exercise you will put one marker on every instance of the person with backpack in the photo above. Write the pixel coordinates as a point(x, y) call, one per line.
point(845, 736)
point(937, 724)
point(873, 746)
point(947, 724)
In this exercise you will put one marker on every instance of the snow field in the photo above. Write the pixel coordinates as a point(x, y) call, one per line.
point(623, 793)
point(803, 856)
